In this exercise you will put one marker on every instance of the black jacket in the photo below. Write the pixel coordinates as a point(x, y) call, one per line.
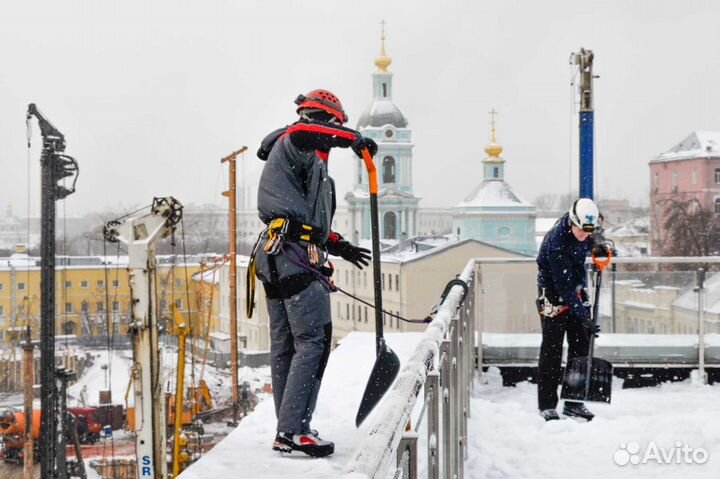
point(561, 267)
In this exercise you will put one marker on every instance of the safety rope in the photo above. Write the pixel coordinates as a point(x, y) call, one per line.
point(332, 287)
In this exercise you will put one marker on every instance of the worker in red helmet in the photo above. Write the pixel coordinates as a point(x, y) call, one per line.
point(296, 200)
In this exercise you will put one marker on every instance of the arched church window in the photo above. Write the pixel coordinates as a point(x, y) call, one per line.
point(388, 169)
point(389, 225)
point(496, 172)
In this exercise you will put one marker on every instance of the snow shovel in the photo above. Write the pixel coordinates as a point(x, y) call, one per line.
point(387, 364)
point(589, 378)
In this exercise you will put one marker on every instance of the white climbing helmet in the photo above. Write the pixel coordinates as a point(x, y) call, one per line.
point(585, 214)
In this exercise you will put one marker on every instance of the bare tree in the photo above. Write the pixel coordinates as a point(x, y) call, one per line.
point(690, 228)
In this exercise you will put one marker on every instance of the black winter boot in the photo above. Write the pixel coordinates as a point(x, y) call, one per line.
point(577, 409)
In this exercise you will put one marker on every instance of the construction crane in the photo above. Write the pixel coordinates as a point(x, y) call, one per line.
point(140, 234)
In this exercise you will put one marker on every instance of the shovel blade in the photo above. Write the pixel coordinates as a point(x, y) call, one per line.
point(575, 379)
point(384, 372)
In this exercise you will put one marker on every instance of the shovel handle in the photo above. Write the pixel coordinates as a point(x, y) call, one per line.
point(602, 264)
point(372, 171)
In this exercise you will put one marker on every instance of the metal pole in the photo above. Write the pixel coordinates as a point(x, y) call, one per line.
point(432, 395)
point(232, 199)
point(181, 329)
point(408, 444)
point(701, 324)
point(613, 274)
point(445, 389)
point(28, 381)
point(584, 60)
point(48, 431)
point(455, 411)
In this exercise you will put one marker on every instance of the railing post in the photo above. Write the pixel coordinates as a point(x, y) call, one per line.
point(432, 397)
point(408, 443)
point(455, 396)
point(701, 324)
point(445, 375)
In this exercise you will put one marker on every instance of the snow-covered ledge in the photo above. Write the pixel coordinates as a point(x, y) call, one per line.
point(373, 455)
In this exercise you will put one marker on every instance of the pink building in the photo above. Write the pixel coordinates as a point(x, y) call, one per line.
point(691, 169)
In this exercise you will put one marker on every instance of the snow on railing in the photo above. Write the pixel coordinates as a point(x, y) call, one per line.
point(444, 363)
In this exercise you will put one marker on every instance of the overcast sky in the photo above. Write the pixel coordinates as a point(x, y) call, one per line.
point(150, 95)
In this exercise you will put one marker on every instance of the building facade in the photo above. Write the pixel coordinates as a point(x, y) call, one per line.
point(492, 212)
point(384, 122)
point(689, 170)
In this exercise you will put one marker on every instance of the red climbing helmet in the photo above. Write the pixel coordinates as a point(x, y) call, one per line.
point(324, 100)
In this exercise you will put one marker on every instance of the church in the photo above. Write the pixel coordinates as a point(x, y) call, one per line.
point(492, 213)
point(384, 122)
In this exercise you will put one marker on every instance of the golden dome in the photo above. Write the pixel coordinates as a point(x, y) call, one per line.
point(493, 150)
point(383, 61)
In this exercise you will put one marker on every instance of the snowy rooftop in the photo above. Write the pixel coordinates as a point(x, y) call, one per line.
point(247, 450)
point(699, 144)
point(493, 194)
point(507, 437)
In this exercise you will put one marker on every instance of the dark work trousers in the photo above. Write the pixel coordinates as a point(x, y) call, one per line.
point(300, 341)
point(550, 364)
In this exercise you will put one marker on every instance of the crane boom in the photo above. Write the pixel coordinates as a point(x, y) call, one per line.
point(140, 233)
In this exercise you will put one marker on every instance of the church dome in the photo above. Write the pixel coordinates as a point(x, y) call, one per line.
point(382, 112)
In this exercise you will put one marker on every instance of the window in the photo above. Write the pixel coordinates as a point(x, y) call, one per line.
point(347, 311)
point(717, 205)
point(675, 180)
point(388, 169)
point(496, 172)
point(389, 225)
point(179, 303)
point(717, 175)
point(2, 310)
point(116, 306)
point(384, 88)
point(116, 283)
point(100, 283)
point(100, 307)
point(68, 284)
point(366, 320)
point(68, 307)
point(21, 286)
point(164, 283)
point(353, 312)
point(2, 287)
point(85, 306)
point(178, 282)
point(397, 282)
point(163, 304)
point(694, 176)
point(84, 283)
point(383, 281)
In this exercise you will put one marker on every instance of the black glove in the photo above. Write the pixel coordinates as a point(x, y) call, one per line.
point(358, 256)
point(601, 250)
point(591, 326)
point(362, 142)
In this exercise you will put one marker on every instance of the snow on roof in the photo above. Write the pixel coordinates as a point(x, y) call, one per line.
point(493, 193)
point(383, 112)
point(248, 449)
point(220, 336)
point(699, 144)
point(689, 300)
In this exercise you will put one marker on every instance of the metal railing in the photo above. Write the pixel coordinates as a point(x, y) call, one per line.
point(443, 367)
point(447, 360)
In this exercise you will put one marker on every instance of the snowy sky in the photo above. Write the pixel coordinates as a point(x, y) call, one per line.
point(150, 95)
